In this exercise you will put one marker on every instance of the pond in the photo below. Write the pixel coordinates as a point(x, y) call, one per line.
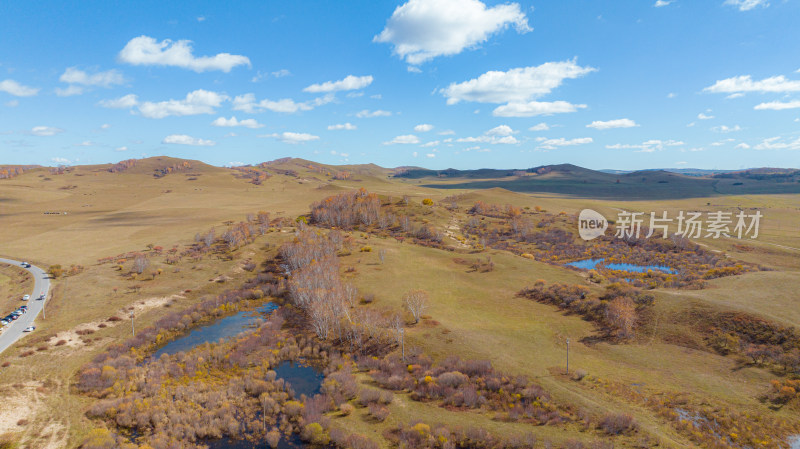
point(223, 328)
point(303, 379)
point(591, 264)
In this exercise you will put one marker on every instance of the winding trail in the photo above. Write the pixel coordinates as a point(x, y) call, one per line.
point(14, 331)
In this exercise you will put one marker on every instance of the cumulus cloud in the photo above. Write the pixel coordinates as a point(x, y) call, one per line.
point(724, 129)
point(420, 30)
point(366, 113)
point(196, 102)
point(702, 116)
point(647, 146)
point(516, 85)
point(16, 89)
point(533, 108)
point(350, 82)
point(777, 143)
point(124, 102)
point(423, 128)
point(498, 135)
point(403, 140)
point(292, 137)
point(540, 127)
point(233, 121)
point(145, 50)
point(552, 144)
point(69, 91)
point(248, 103)
point(502, 130)
point(745, 83)
point(778, 105)
point(45, 131)
point(662, 3)
point(108, 78)
point(183, 139)
point(618, 123)
point(746, 5)
point(342, 127)
point(742, 146)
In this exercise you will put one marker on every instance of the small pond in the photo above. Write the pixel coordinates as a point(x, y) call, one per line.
point(223, 328)
point(304, 379)
point(590, 264)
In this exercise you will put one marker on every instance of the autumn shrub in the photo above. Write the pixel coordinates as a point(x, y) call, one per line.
point(617, 423)
point(378, 412)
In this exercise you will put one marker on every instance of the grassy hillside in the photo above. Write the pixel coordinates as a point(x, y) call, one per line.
point(100, 217)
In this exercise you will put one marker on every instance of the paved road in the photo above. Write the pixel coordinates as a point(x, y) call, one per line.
point(11, 333)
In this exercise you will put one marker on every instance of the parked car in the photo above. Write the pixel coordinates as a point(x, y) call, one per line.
point(29, 329)
point(4, 322)
point(25, 308)
point(26, 264)
point(26, 297)
point(41, 297)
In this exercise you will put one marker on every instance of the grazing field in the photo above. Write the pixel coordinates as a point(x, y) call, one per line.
point(154, 237)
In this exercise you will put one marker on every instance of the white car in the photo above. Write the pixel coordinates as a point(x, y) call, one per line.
point(29, 329)
point(26, 297)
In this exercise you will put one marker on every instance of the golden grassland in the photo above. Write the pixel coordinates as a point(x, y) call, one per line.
point(14, 283)
point(473, 315)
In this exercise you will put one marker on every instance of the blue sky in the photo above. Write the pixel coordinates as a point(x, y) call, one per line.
point(433, 83)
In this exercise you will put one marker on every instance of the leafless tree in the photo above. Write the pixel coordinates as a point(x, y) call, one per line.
point(416, 302)
point(140, 263)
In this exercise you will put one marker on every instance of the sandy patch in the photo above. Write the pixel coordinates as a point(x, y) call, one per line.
point(73, 336)
point(19, 402)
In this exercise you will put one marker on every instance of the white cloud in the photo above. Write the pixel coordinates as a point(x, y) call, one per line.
point(183, 139)
point(660, 3)
point(502, 130)
point(293, 138)
point(233, 121)
point(196, 102)
point(430, 155)
point(370, 114)
point(778, 105)
point(423, 128)
point(350, 82)
point(61, 160)
point(647, 146)
point(45, 131)
point(12, 103)
point(742, 146)
point(108, 78)
point(540, 127)
point(342, 126)
point(552, 144)
point(281, 73)
point(702, 116)
point(745, 83)
point(726, 129)
point(124, 102)
point(618, 123)
point(681, 163)
point(247, 103)
point(516, 85)
point(105, 126)
point(403, 140)
point(736, 95)
point(421, 30)
point(16, 89)
point(69, 91)
point(776, 143)
point(722, 142)
point(747, 5)
point(671, 95)
point(534, 108)
point(121, 149)
point(145, 50)
point(432, 143)
point(85, 143)
point(498, 135)
point(447, 132)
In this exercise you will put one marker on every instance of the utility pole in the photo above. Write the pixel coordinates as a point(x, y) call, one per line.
point(133, 327)
point(403, 343)
point(568, 356)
